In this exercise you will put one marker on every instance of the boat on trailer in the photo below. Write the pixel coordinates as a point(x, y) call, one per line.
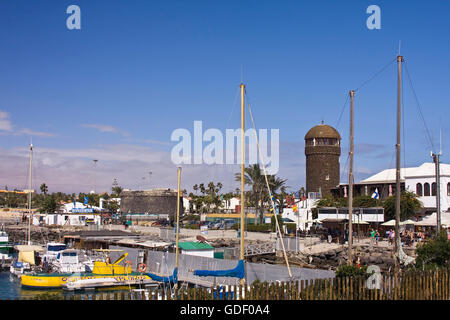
point(103, 271)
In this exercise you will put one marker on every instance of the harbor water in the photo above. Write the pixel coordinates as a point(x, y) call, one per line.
point(10, 288)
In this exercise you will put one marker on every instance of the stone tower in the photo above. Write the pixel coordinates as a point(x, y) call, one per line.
point(322, 150)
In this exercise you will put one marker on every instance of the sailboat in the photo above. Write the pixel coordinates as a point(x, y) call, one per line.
point(239, 270)
point(173, 279)
point(25, 260)
point(400, 256)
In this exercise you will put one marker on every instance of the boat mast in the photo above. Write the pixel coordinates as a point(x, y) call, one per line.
point(242, 174)
point(350, 184)
point(438, 191)
point(29, 194)
point(178, 221)
point(397, 175)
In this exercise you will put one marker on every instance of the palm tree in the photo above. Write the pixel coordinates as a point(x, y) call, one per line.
point(44, 188)
point(259, 195)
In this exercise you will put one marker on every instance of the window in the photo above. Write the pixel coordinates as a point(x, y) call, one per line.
point(419, 189)
point(426, 191)
point(433, 189)
point(448, 189)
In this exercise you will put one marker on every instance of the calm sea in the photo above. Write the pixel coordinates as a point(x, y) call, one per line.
point(10, 288)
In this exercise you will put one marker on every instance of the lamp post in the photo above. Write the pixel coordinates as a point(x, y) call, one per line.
point(95, 175)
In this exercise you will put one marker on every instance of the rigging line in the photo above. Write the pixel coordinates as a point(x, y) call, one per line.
point(418, 106)
point(342, 111)
point(234, 105)
point(403, 128)
point(270, 193)
point(345, 167)
point(383, 188)
point(375, 75)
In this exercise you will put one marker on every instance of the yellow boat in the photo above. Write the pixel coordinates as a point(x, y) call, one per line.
point(101, 270)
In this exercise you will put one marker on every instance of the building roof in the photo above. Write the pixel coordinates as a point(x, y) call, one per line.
point(322, 131)
point(425, 170)
point(195, 246)
point(98, 233)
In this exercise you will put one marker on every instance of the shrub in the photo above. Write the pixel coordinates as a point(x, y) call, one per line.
point(291, 227)
point(253, 227)
point(351, 271)
point(274, 224)
point(434, 253)
point(194, 217)
point(191, 226)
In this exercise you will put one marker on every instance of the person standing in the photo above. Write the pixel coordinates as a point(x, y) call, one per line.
point(372, 236)
point(377, 236)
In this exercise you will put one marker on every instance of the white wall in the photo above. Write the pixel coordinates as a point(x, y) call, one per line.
point(199, 253)
point(73, 220)
point(230, 204)
point(430, 201)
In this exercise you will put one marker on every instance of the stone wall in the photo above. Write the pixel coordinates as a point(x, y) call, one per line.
point(157, 201)
point(322, 161)
point(332, 259)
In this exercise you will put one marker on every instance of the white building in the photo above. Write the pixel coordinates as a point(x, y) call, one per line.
point(187, 204)
point(420, 180)
point(79, 207)
point(72, 219)
point(303, 214)
point(230, 205)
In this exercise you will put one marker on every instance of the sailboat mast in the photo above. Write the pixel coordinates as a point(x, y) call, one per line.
point(350, 185)
point(438, 191)
point(242, 169)
point(29, 194)
point(397, 172)
point(178, 220)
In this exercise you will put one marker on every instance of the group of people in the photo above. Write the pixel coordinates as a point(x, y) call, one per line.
point(374, 236)
point(407, 237)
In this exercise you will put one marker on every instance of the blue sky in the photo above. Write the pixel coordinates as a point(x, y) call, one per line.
point(137, 70)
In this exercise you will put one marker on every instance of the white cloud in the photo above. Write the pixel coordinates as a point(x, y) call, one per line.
point(7, 127)
point(5, 122)
point(34, 133)
point(105, 128)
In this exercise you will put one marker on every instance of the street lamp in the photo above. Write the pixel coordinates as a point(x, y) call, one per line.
point(95, 174)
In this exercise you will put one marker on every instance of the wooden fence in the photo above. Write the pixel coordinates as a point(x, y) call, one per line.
point(426, 285)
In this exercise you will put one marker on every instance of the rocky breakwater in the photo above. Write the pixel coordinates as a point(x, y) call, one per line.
point(42, 235)
point(332, 258)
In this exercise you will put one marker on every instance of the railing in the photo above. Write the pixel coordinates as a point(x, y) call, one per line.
point(256, 249)
point(426, 285)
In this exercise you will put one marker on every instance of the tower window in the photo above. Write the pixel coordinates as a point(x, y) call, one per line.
point(433, 189)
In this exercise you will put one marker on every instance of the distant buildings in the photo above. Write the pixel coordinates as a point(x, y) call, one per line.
point(420, 180)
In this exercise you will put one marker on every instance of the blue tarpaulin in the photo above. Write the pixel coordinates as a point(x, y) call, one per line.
point(172, 279)
point(237, 272)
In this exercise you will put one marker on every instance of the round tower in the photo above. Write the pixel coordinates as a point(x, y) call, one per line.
point(322, 150)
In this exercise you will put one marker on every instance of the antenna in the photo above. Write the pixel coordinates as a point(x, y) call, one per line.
point(242, 73)
point(399, 46)
point(440, 138)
